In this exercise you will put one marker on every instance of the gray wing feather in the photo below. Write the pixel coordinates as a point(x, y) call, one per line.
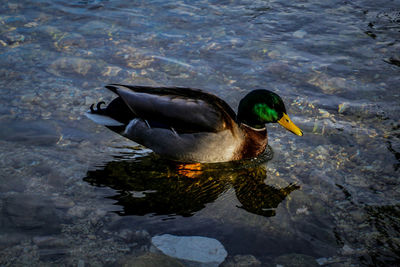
point(177, 111)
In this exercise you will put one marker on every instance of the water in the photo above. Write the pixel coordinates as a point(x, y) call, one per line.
point(72, 192)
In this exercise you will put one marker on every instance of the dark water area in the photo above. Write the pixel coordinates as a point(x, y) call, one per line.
point(73, 193)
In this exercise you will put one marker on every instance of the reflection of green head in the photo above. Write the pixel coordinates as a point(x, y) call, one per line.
point(260, 107)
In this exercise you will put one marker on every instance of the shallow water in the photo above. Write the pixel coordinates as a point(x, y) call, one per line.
point(72, 192)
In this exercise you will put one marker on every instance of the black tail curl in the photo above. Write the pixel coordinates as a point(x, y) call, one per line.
point(98, 109)
point(116, 109)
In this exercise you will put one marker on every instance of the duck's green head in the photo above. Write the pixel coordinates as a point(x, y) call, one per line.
point(262, 106)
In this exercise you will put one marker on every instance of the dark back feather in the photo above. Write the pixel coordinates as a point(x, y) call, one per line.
point(184, 109)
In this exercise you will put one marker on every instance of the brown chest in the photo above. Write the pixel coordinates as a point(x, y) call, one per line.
point(255, 142)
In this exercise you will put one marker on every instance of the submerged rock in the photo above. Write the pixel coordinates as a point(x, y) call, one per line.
point(242, 261)
point(49, 241)
point(10, 239)
point(93, 26)
point(394, 60)
point(149, 260)
point(30, 212)
point(296, 260)
point(14, 37)
point(192, 248)
point(71, 65)
point(71, 40)
point(111, 71)
point(98, 27)
point(39, 133)
point(51, 31)
point(329, 85)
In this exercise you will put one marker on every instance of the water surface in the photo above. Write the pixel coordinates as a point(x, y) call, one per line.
point(72, 192)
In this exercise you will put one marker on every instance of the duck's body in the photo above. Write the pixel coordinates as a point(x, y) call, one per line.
point(220, 146)
point(183, 124)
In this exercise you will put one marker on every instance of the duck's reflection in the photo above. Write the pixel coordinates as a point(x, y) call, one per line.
point(150, 185)
point(256, 196)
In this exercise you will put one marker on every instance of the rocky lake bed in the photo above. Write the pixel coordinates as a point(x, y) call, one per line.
point(75, 194)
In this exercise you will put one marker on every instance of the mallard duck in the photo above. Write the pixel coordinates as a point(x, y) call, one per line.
point(190, 125)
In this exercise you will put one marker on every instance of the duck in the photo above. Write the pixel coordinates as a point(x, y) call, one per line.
point(191, 125)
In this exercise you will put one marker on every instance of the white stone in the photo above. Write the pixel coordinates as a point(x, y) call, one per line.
point(302, 210)
point(347, 250)
point(322, 261)
point(192, 248)
point(299, 34)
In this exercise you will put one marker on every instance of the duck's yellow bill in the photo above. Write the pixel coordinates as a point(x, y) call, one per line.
point(286, 122)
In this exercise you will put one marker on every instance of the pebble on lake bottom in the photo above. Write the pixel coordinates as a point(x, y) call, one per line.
point(192, 248)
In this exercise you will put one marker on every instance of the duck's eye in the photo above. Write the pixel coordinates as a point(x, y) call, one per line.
point(287, 120)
